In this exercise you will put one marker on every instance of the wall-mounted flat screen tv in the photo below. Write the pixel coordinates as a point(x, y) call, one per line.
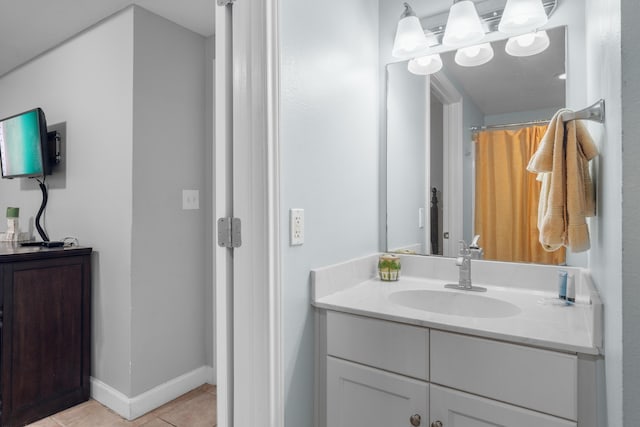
point(23, 145)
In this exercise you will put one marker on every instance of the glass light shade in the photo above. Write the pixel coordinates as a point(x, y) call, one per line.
point(527, 44)
point(425, 64)
point(463, 25)
point(473, 56)
point(410, 38)
point(521, 16)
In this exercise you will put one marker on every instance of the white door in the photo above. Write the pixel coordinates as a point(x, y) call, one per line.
point(360, 396)
point(457, 409)
point(248, 348)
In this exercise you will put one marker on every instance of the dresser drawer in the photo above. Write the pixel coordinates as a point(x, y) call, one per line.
point(394, 347)
point(538, 379)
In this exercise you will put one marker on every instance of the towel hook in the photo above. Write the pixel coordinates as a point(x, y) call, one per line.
point(593, 112)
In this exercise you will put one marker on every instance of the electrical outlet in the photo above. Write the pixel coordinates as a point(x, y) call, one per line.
point(296, 222)
point(190, 199)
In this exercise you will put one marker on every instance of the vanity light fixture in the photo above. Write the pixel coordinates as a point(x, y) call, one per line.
point(527, 44)
point(463, 25)
point(521, 16)
point(410, 38)
point(473, 56)
point(425, 65)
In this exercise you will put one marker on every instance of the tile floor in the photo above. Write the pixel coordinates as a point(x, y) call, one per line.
point(194, 409)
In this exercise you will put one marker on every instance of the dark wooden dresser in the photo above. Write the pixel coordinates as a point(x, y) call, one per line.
point(45, 316)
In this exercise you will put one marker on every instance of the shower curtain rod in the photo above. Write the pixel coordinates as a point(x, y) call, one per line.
point(593, 112)
point(510, 125)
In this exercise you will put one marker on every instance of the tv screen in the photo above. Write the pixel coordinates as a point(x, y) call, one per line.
point(23, 144)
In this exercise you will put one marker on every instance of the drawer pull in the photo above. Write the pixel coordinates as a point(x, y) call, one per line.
point(437, 424)
point(415, 420)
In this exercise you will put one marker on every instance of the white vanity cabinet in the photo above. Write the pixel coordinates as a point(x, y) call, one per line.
point(361, 396)
point(458, 409)
point(381, 373)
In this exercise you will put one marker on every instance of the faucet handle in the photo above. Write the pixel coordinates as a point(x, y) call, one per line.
point(474, 242)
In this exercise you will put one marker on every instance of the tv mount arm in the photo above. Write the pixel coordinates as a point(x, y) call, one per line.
point(43, 205)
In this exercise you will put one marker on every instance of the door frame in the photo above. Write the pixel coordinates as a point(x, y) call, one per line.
point(452, 200)
point(247, 280)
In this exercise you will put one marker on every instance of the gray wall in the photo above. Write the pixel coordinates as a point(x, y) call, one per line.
point(135, 130)
point(207, 199)
point(87, 83)
point(168, 243)
point(630, 211)
point(329, 162)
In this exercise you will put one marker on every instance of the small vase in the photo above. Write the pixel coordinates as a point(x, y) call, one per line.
point(389, 267)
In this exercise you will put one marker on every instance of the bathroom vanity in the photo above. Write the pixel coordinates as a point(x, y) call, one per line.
point(410, 353)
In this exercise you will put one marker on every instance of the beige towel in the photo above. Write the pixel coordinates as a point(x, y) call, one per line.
point(567, 196)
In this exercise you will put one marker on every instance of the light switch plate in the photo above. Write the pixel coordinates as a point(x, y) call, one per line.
point(190, 199)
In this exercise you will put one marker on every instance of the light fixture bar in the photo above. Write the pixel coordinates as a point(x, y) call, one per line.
point(436, 24)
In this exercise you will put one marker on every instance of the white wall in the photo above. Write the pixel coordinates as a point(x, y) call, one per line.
point(168, 243)
point(605, 257)
point(87, 83)
point(521, 116)
point(407, 125)
point(329, 162)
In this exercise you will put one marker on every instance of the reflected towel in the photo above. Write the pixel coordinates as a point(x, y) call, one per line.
point(567, 196)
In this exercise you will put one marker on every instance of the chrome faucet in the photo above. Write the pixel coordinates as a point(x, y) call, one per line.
point(464, 262)
point(476, 251)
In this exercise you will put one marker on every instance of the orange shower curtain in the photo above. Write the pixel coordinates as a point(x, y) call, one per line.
point(506, 205)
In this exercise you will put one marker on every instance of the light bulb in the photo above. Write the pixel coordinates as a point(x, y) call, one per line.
point(425, 64)
point(472, 51)
point(473, 56)
point(527, 44)
point(525, 40)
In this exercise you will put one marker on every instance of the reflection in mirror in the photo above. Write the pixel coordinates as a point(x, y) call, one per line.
point(505, 105)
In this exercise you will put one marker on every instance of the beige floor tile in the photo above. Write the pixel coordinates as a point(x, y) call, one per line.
point(156, 422)
point(167, 407)
point(199, 411)
point(210, 388)
point(196, 408)
point(89, 414)
point(47, 422)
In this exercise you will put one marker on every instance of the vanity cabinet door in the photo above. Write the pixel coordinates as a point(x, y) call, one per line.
point(360, 396)
point(457, 409)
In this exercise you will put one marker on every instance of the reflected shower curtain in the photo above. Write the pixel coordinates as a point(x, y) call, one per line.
point(506, 204)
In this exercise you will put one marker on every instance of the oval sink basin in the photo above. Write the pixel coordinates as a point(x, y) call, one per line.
point(455, 303)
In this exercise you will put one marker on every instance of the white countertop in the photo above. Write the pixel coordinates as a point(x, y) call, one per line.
point(559, 327)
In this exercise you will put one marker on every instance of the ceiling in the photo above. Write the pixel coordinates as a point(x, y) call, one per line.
point(31, 27)
point(511, 84)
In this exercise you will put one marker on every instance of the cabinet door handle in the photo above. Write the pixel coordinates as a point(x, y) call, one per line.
point(415, 420)
point(437, 424)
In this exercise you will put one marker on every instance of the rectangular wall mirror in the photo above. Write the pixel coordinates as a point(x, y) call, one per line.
point(457, 143)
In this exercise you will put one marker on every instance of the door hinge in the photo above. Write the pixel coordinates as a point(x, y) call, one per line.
point(225, 2)
point(229, 232)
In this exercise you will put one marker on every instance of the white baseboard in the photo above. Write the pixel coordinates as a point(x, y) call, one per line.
point(133, 407)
